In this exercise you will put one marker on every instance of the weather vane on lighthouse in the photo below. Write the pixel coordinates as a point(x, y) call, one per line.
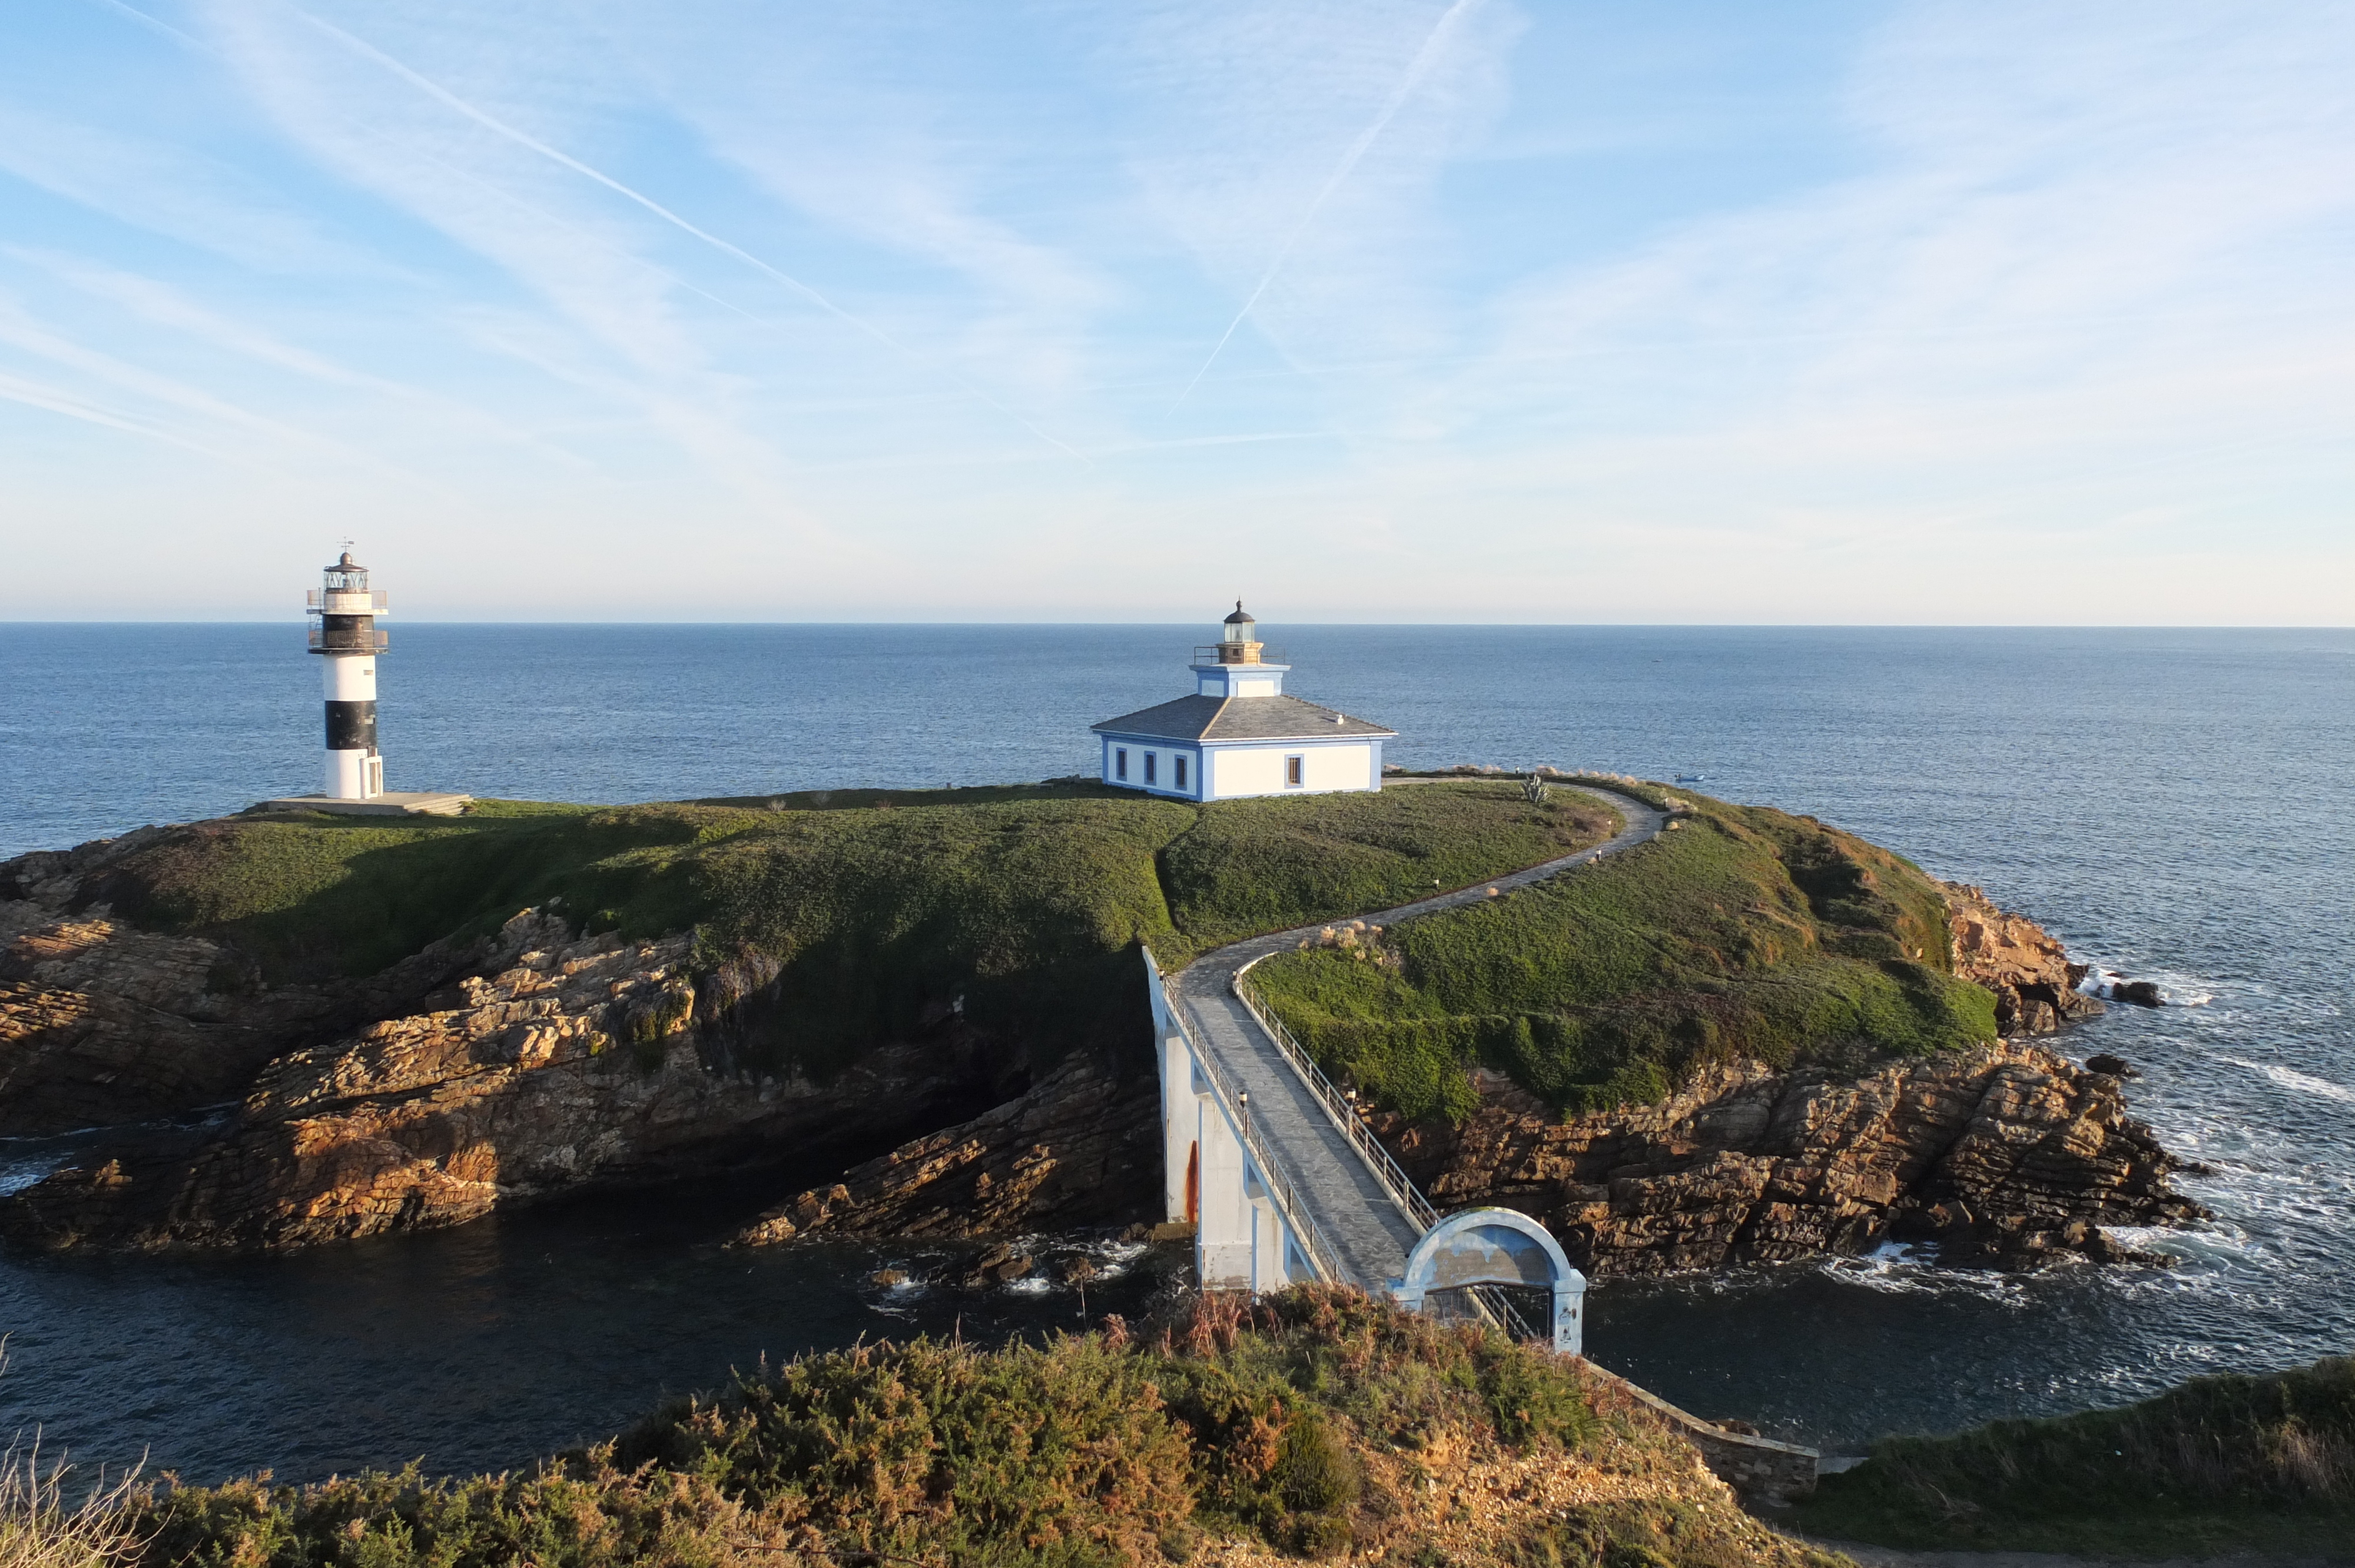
point(347, 643)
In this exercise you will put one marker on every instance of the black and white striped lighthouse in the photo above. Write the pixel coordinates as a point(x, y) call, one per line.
point(347, 643)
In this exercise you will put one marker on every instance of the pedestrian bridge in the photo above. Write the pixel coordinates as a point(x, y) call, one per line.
point(1283, 1182)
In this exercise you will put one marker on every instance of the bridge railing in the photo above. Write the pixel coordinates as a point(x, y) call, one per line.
point(1297, 1215)
point(1340, 1107)
point(1491, 1302)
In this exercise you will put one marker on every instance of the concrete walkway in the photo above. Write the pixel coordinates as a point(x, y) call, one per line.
point(1370, 1231)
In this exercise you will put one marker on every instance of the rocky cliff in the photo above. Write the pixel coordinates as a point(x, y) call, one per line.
point(101, 1022)
point(2004, 1155)
point(559, 1061)
point(2034, 984)
point(1083, 1145)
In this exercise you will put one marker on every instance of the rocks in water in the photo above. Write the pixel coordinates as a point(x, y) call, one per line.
point(2035, 985)
point(999, 1264)
point(2111, 1066)
point(2117, 988)
point(2005, 1156)
point(1081, 1146)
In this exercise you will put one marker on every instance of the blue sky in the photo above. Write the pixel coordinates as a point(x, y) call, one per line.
point(1455, 310)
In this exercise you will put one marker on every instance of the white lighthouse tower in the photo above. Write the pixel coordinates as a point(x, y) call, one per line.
point(347, 643)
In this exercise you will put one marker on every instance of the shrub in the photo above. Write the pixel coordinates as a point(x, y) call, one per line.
point(1089, 1449)
point(2220, 1463)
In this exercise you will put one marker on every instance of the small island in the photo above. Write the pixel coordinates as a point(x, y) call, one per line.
point(1752, 1037)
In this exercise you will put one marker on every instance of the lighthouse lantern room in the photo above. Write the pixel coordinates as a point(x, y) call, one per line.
point(347, 643)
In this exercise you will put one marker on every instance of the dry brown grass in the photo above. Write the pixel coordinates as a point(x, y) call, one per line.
point(45, 1522)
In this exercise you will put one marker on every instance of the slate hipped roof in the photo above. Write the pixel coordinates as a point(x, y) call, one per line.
point(1238, 718)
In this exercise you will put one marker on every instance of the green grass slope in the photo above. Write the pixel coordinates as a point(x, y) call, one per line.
point(1316, 1423)
point(2219, 1466)
point(860, 912)
point(1743, 932)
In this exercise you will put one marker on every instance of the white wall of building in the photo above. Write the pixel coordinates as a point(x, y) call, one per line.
point(1237, 772)
point(1165, 755)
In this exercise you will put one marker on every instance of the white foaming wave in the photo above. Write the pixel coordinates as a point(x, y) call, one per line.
point(15, 1179)
point(1896, 1268)
point(2291, 1078)
point(1030, 1285)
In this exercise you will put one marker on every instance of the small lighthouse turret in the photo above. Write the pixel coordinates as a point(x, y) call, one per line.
point(349, 642)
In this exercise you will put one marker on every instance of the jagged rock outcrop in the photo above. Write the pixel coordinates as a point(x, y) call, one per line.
point(2034, 984)
point(102, 1024)
point(2005, 1155)
point(574, 1061)
point(1084, 1144)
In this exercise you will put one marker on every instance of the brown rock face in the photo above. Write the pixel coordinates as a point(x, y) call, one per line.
point(2006, 1155)
point(2035, 984)
point(1082, 1145)
point(101, 1023)
point(572, 1062)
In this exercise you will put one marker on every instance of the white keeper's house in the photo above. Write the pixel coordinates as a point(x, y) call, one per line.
point(1239, 735)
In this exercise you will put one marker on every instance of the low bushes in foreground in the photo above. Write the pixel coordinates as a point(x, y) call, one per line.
point(1308, 1424)
point(2219, 1465)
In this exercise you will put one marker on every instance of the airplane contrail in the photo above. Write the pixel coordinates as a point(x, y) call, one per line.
point(1415, 72)
point(443, 96)
point(498, 127)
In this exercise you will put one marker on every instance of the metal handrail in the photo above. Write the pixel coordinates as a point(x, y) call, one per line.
point(1499, 1309)
point(1207, 653)
point(1491, 1302)
point(1387, 1171)
point(1320, 1250)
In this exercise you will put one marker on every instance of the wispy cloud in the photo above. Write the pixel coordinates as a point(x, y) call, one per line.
point(1957, 311)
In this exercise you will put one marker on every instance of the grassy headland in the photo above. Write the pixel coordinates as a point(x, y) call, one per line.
point(2222, 1465)
point(1743, 932)
point(1314, 1424)
point(873, 910)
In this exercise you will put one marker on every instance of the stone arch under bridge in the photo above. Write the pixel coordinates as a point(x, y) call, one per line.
point(1495, 1247)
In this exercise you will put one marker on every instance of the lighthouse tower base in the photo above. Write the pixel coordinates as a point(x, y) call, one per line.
point(393, 803)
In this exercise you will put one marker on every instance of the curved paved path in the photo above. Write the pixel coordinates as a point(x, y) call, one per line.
point(1355, 1212)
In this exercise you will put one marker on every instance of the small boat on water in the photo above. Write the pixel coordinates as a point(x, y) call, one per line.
point(1692, 778)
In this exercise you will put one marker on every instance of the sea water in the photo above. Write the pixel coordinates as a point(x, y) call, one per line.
point(2176, 805)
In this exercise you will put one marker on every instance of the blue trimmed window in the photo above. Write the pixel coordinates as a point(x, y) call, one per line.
point(1120, 762)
